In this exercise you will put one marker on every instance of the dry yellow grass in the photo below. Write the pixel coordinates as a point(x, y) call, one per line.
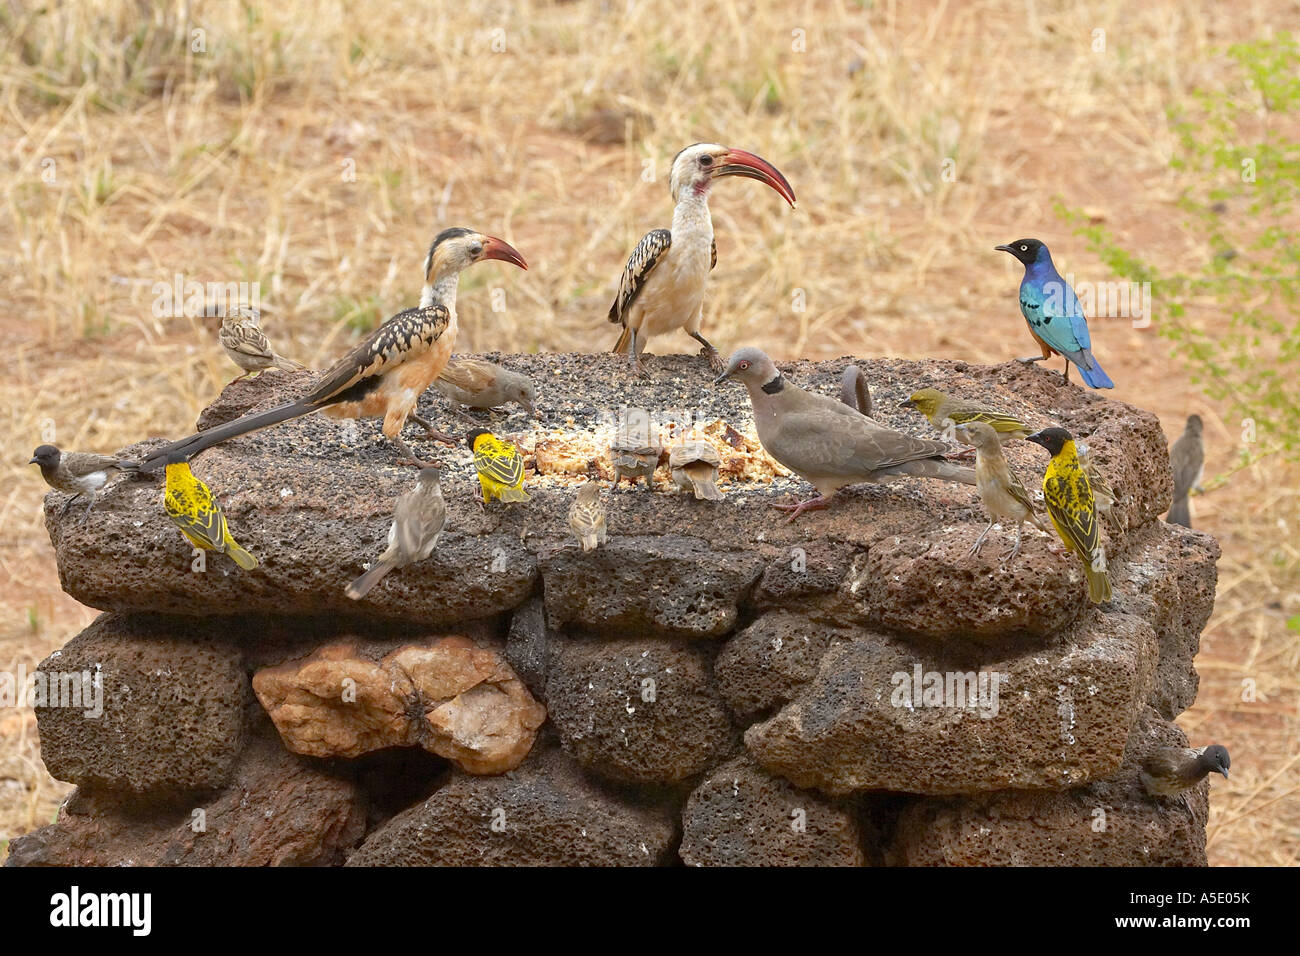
point(315, 148)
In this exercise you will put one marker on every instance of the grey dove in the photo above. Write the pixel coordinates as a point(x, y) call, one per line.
point(826, 442)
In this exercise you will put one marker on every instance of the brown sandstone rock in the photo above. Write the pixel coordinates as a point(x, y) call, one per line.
point(637, 711)
point(453, 698)
point(742, 816)
point(546, 813)
point(277, 811)
point(174, 694)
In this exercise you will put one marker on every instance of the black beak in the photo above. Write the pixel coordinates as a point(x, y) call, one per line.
point(1224, 771)
point(1005, 249)
point(33, 462)
point(907, 404)
point(1037, 439)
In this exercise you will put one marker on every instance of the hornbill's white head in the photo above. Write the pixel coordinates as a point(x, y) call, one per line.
point(456, 249)
point(695, 168)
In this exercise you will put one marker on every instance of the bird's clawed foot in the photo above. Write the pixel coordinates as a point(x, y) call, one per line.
point(434, 433)
point(1032, 358)
point(799, 507)
point(715, 359)
point(967, 452)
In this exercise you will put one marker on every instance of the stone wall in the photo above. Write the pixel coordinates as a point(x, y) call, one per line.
point(713, 686)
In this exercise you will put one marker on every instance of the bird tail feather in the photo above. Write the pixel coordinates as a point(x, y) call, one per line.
point(624, 339)
point(200, 441)
point(932, 468)
point(286, 364)
point(362, 585)
point(1180, 513)
point(512, 494)
point(706, 490)
point(1096, 376)
point(590, 541)
point(240, 555)
point(1098, 584)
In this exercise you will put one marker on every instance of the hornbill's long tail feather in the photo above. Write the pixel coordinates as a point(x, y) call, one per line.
point(240, 426)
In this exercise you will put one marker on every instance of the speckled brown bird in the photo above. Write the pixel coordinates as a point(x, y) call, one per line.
point(587, 517)
point(694, 467)
point(387, 372)
point(1171, 771)
point(1102, 492)
point(247, 345)
point(419, 518)
point(476, 383)
point(1004, 497)
point(78, 473)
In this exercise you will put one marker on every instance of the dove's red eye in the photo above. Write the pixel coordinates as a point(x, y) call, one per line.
point(744, 365)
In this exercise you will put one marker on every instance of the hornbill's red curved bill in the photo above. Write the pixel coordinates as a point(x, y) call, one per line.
point(662, 286)
point(387, 372)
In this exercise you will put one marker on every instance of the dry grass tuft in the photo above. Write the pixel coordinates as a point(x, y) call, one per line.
point(314, 151)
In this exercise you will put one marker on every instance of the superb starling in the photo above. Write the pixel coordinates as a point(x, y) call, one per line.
point(1056, 320)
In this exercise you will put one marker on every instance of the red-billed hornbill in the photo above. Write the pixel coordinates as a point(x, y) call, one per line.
point(662, 287)
point(385, 374)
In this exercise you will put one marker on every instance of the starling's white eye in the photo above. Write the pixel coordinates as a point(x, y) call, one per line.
point(1024, 248)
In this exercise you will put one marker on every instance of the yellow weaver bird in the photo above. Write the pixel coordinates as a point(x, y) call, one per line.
point(942, 408)
point(1072, 507)
point(192, 508)
point(499, 465)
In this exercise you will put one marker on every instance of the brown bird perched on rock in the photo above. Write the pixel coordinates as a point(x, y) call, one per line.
point(1102, 492)
point(825, 441)
point(1187, 459)
point(475, 383)
point(387, 372)
point(419, 518)
point(1003, 495)
point(662, 287)
point(587, 517)
point(694, 465)
point(946, 412)
point(78, 473)
point(635, 450)
point(246, 344)
point(1171, 771)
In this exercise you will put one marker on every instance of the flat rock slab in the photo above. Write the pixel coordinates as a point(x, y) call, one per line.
point(313, 500)
point(174, 693)
point(885, 715)
point(546, 813)
point(1111, 822)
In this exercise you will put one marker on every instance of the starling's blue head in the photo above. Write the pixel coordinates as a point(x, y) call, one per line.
point(1028, 251)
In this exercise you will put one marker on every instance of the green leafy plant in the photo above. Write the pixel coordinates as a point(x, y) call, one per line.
point(1239, 154)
